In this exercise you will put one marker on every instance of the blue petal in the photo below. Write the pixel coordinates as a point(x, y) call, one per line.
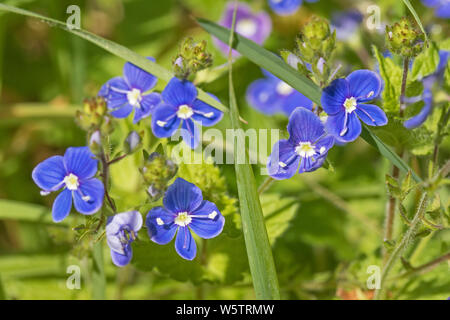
point(207, 226)
point(371, 114)
point(295, 100)
point(304, 126)
point(50, 173)
point(179, 92)
point(310, 164)
point(182, 196)
point(443, 11)
point(131, 219)
point(122, 112)
point(122, 260)
point(148, 104)
point(62, 205)
point(365, 85)
point(80, 161)
point(165, 121)
point(326, 142)
point(333, 96)
point(205, 114)
point(93, 189)
point(344, 126)
point(138, 78)
point(190, 133)
point(185, 244)
point(285, 7)
point(261, 95)
point(114, 243)
point(115, 92)
point(283, 161)
point(160, 234)
point(422, 116)
point(431, 3)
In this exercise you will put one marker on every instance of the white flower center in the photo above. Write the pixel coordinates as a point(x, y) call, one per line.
point(284, 89)
point(71, 182)
point(350, 104)
point(183, 219)
point(246, 27)
point(305, 149)
point(184, 112)
point(134, 97)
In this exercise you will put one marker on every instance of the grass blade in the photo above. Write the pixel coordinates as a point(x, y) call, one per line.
point(416, 17)
point(2, 290)
point(116, 49)
point(262, 266)
point(275, 65)
point(98, 272)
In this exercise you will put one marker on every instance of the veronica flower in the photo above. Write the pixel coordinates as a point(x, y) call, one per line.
point(346, 23)
point(121, 231)
point(271, 95)
point(345, 103)
point(286, 7)
point(427, 96)
point(306, 148)
point(128, 93)
point(254, 26)
point(184, 212)
point(441, 7)
point(180, 105)
point(74, 173)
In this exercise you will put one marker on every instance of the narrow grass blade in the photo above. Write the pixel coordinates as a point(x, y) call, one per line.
point(416, 17)
point(262, 266)
point(115, 49)
point(98, 272)
point(2, 290)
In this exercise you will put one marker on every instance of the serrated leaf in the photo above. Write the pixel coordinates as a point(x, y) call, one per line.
point(425, 63)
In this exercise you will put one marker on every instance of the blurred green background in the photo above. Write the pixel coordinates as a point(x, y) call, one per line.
point(326, 242)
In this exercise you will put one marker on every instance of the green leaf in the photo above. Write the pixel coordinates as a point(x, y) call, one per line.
point(259, 253)
point(98, 272)
point(2, 290)
point(115, 49)
point(392, 77)
point(278, 213)
point(425, 63)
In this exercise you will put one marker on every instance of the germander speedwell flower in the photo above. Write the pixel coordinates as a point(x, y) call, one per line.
point(271, 95)
point(441, 7)
point(345, 101)
point(128, 93)
point(74, 173)
point(286, 7)
point(180, 105)
point(184, 211)
point(306, 148)
point(254, 26)
point(121, 231)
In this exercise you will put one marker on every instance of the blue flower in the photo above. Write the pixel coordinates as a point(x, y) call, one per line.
point(306, 148)
point(441, 7)
point(184, 211)
point(74, 173)
point(128, 93)
point(346, 23)
point(254, 26)
point(180, 105)
point(121, 231)
point(271, 95)
point(286, 7)
point(345, 101)
point(427, 96)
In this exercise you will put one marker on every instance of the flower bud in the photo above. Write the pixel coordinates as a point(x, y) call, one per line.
point(95, 142)
point(192, 58)
point(404, 39)
point(132, 142)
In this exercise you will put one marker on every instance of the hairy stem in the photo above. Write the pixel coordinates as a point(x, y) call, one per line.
point(403, 88)
point(427, 267)
point(390, 214)
point(265, 185)
point(402, 244)
point(105, 178)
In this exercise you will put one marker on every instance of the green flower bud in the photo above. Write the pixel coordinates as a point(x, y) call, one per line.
point(192, 58)
point(133, 142)
point(94, 115)
point(95, 142)
point(404, 39)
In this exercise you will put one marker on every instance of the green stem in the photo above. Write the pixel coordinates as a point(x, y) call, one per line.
point(402, 245)
point(260, 259)
point(265, 185)
point(98, 272)
point(427, 267)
